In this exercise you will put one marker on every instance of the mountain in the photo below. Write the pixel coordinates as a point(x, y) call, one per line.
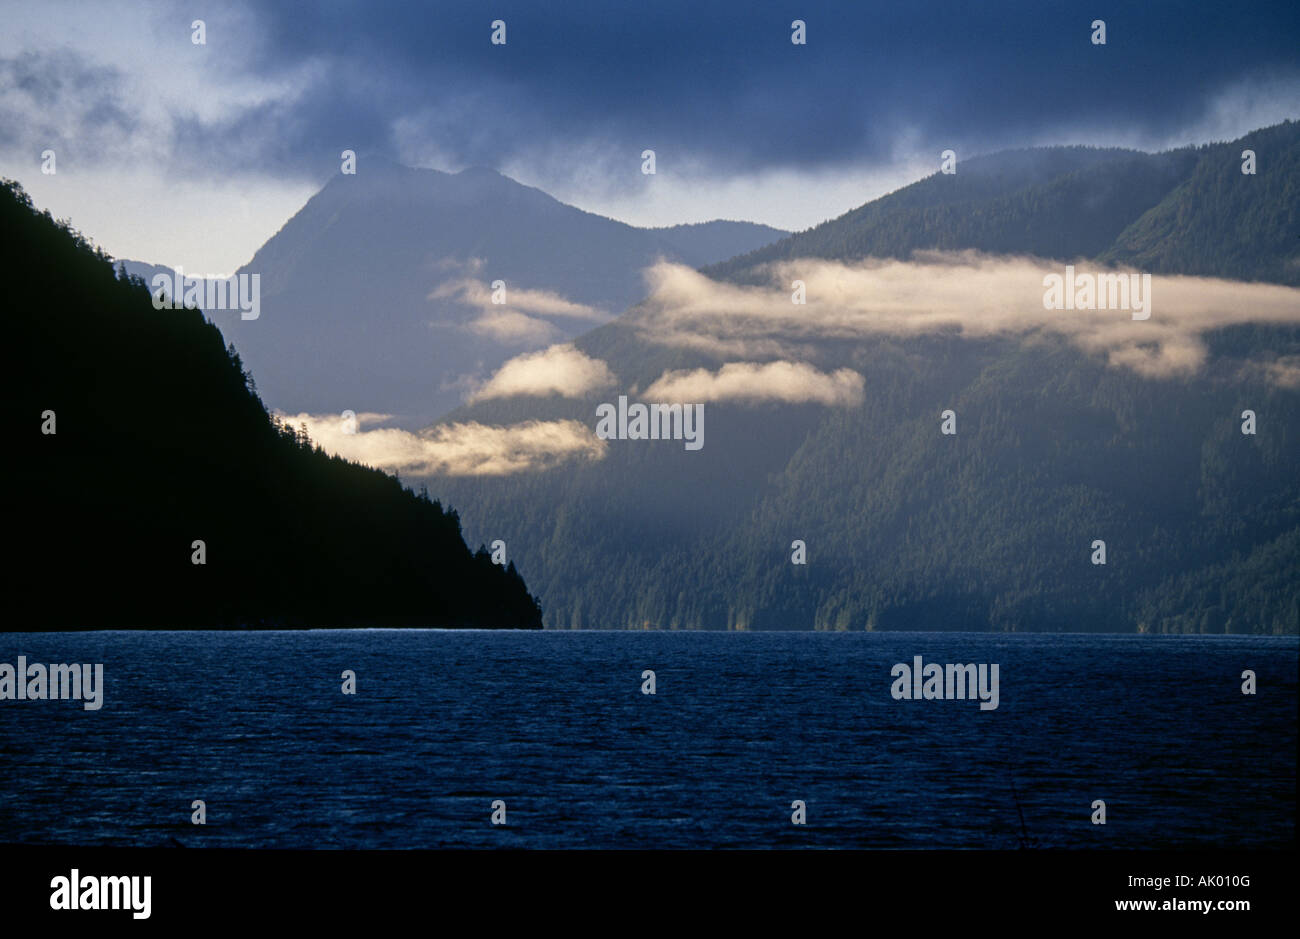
point(1059, 444)
point(136, 434)
point(1212, 224)
point(377, 296)
point(705, 243)
point(1188, 211)
point(143, 269)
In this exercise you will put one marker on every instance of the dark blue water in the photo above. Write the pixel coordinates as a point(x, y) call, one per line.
point(555, 725)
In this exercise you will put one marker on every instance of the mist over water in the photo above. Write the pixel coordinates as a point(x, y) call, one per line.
point(555, 724)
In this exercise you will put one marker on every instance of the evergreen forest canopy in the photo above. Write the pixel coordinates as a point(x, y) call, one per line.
point(988, 529)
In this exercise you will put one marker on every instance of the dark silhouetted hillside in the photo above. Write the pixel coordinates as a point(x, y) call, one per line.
point(160, 442)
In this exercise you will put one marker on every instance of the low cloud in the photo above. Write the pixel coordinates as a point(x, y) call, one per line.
point(791, 382)
point(975, 295)
point(1283, 371)
point(525, 316)
point(511, 328)
point(560, 370)
point(464, 449)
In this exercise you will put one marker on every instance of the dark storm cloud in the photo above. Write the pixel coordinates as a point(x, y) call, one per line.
point(723, 83)
point(57, 100)
point(719, 83)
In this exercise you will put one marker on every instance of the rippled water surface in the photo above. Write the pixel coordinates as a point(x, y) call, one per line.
point(555, 725)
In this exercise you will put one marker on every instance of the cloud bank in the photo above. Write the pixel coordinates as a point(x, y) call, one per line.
point(964, 292)
point(278, 90)
point(274, 80)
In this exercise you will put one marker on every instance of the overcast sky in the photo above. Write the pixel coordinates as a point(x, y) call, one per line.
point(172, 152)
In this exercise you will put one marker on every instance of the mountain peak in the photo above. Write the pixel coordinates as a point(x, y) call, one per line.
point(478, 171)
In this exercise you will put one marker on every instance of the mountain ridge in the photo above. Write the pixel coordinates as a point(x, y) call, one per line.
point(906, 528)
point(1006, 200)
point(374, 292)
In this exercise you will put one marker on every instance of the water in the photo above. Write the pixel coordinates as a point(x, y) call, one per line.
point(556, 726)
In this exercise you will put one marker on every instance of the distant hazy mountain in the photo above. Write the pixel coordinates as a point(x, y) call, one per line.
point(144, 270)
point(991, 528)
point(708, 242)
point(147, 273)
point(376, 296)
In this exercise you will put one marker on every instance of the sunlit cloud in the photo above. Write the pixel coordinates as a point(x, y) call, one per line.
point(511, 328)
point(511, 315)
point(461, 449)
point(789, 382)
point(975, 295)
point(559, 370)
